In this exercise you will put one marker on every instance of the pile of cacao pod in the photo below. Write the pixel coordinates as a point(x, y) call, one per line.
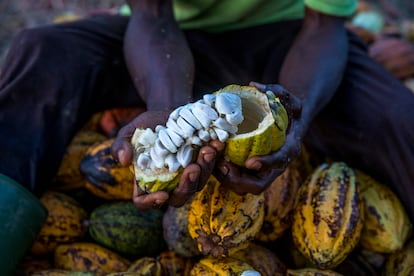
point(318, 218)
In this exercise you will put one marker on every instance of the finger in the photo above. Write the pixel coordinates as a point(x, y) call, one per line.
point(217, 145)
point(145, 201)
point(187, 187)
point(121, 148)
point(242, 181)
point(206, 160)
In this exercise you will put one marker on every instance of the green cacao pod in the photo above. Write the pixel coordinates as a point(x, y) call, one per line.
point(125, 229)
point(386, 226)
point(328, 217)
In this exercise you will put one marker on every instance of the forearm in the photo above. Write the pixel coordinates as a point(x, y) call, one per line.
point(315, 63)
point(157, 55)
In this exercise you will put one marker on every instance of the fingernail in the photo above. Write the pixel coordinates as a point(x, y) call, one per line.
point(256, 166)
point(224, 170)
point(121, 155)
point(208, 157)
point(158, 202)
point(193, 177)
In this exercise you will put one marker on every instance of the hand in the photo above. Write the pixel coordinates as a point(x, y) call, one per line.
point(395, 54)
point(260, 171)
point(193, 177)
point(192, 180)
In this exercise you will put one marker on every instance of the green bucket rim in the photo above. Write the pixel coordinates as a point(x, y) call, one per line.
point(22, 191)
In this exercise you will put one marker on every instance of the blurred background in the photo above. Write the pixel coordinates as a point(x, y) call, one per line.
point(18, 14)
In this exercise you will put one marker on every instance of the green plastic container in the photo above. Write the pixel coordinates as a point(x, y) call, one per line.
point(21, 218)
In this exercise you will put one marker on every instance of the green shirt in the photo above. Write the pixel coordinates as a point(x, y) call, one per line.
point(221, 15)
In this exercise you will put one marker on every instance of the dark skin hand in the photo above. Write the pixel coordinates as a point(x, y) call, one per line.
point(323, 38)
point(161, 67)
point(312, 71)
point(395, 54)
point(262, 170)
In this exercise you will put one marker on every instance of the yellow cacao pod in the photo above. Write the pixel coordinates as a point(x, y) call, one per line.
point(221, 221)
point(91, 257)
point(69, 177)
point(401, 262)
point(261, 259)
point(174, 264)
point(227, 266)
point(386, 225)
point(328, 217)
point(311, 272)
point(146, 266)
point(64, 223)
point(280, 198)
point(106, 178)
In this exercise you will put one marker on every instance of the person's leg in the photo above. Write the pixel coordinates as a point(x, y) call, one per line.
point(370, 124)
point(53, 78)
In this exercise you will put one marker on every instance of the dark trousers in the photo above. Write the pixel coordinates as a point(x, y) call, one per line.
point(55, 77)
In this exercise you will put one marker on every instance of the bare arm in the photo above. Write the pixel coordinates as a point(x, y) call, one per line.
point(157, 55)
point(312, 70)
point(315, 64)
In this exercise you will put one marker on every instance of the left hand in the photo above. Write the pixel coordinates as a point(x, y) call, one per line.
point(260, 171)
point(395, 54)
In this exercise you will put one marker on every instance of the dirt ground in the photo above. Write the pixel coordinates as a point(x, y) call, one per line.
point(18, 14)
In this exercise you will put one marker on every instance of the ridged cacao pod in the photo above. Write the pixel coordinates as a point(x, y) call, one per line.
point(311, 272)
point(64, 223)
point(328, 217)
point(91, 257)
point(61, 272)
point(225, 266)
point(280, 198)
point(401, 263)
point(105, 177)
point(221, 221)
point(146, 266)
point(261, 259)
point(123, 228)
point(69, 176)
point(176, 235)
point(386, 226)
point(174, 264)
